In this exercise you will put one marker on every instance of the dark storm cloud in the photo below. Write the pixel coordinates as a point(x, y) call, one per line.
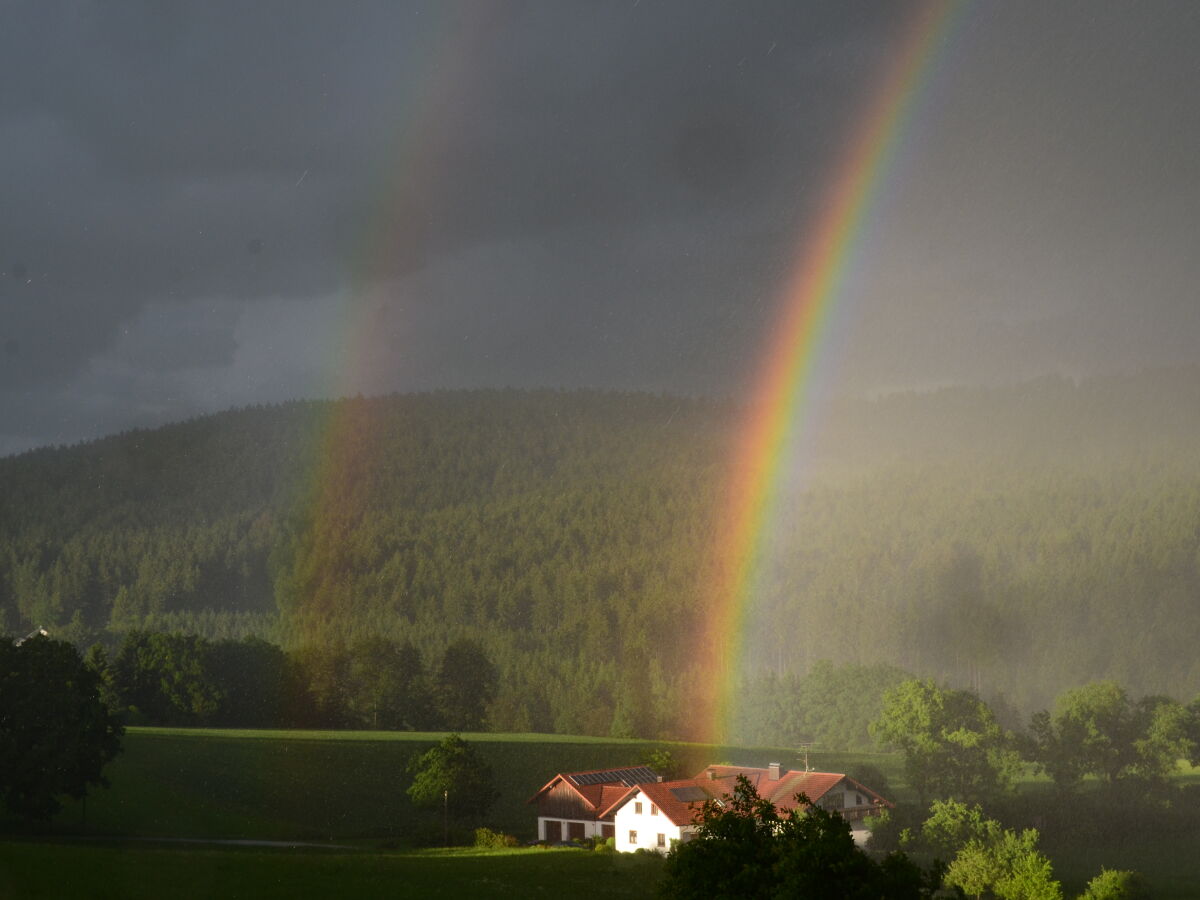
point(199, 198)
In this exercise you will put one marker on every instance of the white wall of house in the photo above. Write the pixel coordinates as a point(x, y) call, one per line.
point(638, 815)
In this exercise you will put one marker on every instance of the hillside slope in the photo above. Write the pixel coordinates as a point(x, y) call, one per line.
point(1019, 540)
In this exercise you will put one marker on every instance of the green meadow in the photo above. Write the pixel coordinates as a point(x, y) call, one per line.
point(343, 786)
point(134, 871)
point(348, 789)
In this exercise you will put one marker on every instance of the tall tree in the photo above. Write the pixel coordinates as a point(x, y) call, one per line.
point(388, 687)
point(452, 776)
point(466, 684)
point(254, 679)
point(953, 748)
point(1099, 730)
point(167, 678)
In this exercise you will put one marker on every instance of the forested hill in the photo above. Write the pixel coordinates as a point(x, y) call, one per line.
point(1020, 540)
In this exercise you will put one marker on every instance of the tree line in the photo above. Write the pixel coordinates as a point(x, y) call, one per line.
point(156, 678)
point(955, 749)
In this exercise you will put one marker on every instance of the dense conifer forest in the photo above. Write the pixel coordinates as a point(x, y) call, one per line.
point(1018, 541)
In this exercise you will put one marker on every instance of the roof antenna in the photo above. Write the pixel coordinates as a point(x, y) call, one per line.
point(804, 748)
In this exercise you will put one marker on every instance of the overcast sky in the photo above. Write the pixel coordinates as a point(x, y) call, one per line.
point(213, 204)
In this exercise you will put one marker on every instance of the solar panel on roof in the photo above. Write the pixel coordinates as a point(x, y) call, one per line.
point(689, 793)
point(628, 777)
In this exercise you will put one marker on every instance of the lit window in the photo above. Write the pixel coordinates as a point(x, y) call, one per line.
point(662, 840)
point(653, 810)
point(637, 808)
point(633, 837)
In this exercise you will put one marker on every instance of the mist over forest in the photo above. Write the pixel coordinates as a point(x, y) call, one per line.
point(1016, 540)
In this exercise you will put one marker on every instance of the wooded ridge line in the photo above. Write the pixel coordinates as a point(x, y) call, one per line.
point(1019, 541)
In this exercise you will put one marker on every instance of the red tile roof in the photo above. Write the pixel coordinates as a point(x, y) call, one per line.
point(782, 791)
point(665, 795)
point(714, 782)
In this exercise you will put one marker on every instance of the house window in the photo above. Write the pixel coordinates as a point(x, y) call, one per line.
point(662, 840)
point(860, 799)
point(633, 837)
point(653, 810)
point(637, 808)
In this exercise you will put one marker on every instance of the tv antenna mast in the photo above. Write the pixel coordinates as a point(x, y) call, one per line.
point(805, 746)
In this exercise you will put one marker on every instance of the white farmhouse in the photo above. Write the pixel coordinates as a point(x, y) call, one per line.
point(641, 811)
point(656, 815)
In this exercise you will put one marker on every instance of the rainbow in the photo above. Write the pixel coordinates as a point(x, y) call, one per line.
point(781, 391)
point(345, 440)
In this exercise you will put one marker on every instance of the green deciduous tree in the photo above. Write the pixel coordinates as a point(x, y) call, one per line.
point(167, 677)
point(953, 748)
point(1117, 884)
point(1010, 866)
point(745, 848)
point(387, 685)
point(952, 825)
point(56, 734)
point(466, 684)
point(255, 681)
point(1098, 730)
point(985, 857)
point(453, 776)
point(662, 761)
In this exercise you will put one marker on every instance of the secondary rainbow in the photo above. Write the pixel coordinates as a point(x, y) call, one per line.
point(437, 83)
point(781, 391)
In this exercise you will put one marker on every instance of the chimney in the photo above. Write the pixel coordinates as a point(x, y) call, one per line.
point(773, 771)
point(659, 779)
point(712, 776)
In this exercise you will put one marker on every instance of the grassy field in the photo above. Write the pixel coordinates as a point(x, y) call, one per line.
point(338, 786)
point(134, 871)
point(349, 788)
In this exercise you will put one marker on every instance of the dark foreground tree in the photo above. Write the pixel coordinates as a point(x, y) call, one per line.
point(453, 777)
point(56, 734)
point(745, 848)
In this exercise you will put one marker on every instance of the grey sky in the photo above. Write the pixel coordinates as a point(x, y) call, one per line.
point(215, 204)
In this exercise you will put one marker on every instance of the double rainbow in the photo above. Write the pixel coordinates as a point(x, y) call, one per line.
point(781, 393)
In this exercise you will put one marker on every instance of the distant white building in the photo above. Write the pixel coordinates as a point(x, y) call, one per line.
point(35, 633)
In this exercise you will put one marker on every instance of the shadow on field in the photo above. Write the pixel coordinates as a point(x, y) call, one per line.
point(138, 870)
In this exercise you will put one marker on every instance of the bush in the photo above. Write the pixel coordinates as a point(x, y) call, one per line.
point(487, 839)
